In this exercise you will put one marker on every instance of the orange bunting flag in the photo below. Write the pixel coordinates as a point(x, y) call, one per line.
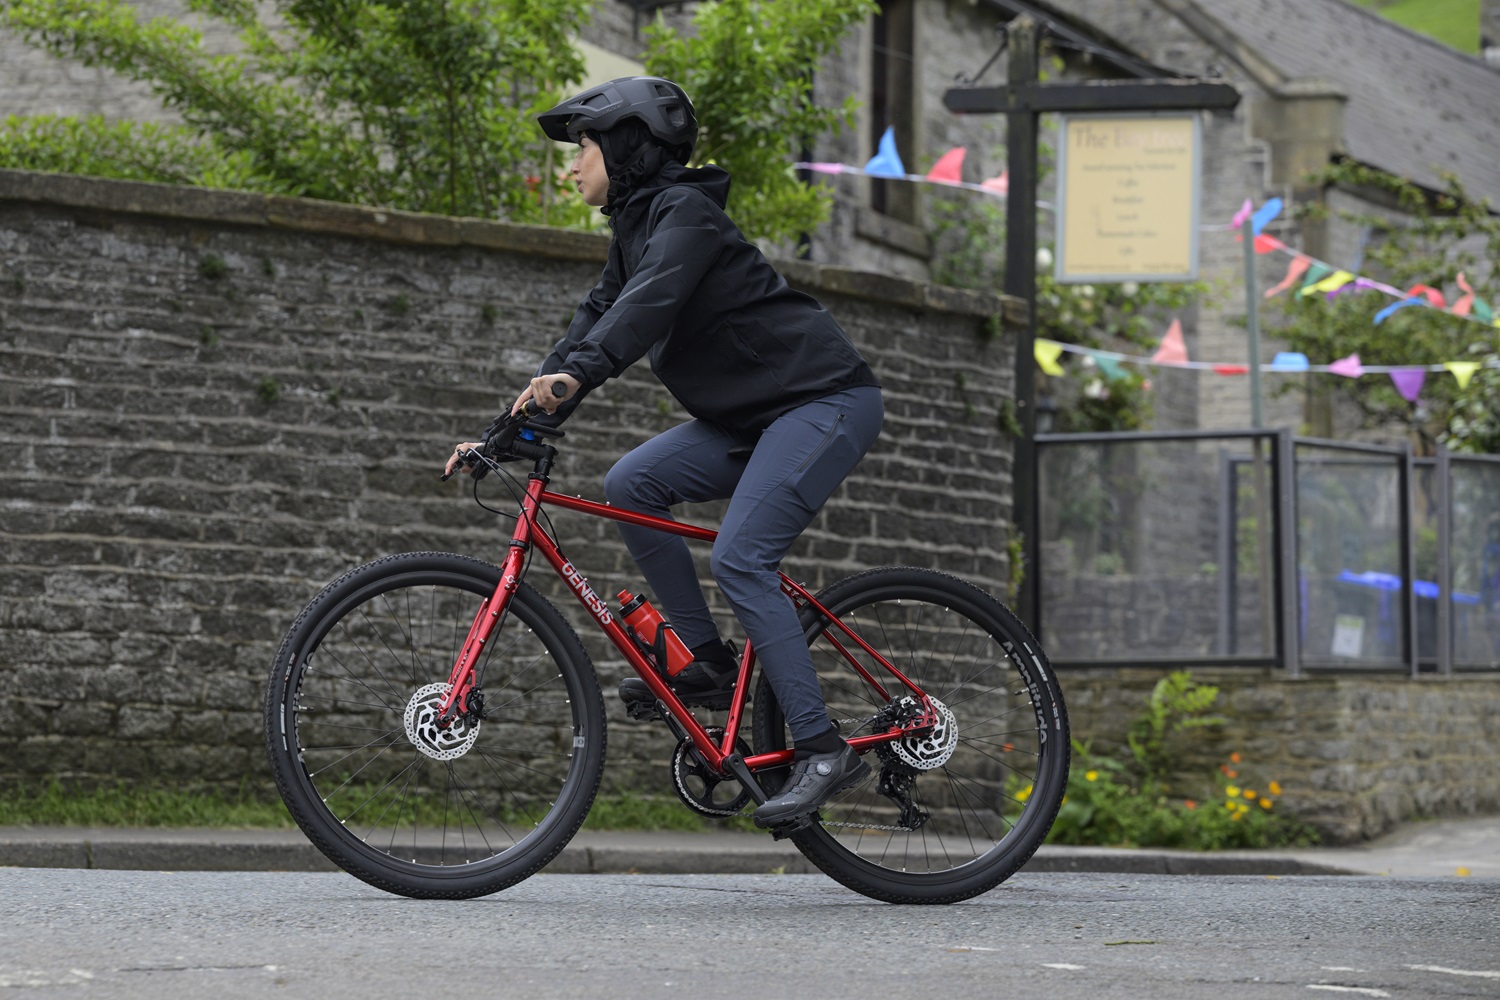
point(1231, 370)
point(1265, 243)
point(1434, 297)
point(949, 168)
point(1172, 350)
point(1296, 271)
point(1464, 305)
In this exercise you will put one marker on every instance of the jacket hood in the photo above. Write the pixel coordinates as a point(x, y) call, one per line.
point(712, 181)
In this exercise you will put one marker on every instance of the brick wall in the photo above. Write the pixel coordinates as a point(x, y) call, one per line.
point(1354, 754)
point(213, 403)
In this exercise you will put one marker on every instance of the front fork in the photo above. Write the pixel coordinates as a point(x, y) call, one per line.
point(462, 679)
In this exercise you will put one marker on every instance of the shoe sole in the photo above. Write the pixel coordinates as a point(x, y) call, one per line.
point(860, 774)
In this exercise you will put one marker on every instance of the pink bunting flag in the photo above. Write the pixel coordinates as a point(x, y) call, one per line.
point(999, 185)
point(825, 168)
point(949, 168)
point(1244, 213)
point(1409, 382)
point(1433, 296)
point(1172, 350)
point(1465, 305)
point(1348, 367)
point(1296, 271)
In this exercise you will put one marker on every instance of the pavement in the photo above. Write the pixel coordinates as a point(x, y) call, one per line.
point(1458, 847)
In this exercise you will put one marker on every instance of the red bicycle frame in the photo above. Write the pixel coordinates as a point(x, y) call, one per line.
point(529, 534)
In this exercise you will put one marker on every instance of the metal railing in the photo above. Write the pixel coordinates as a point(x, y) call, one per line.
point(1260, 548)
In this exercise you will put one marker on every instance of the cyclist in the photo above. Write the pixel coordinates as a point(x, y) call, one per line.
point(783, 405)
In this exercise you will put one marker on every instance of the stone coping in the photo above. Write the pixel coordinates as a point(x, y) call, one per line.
point(195, 204)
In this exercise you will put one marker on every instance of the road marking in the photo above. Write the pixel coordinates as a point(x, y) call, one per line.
point(1361, 990)
point(1064, 966)
point(1455, 972)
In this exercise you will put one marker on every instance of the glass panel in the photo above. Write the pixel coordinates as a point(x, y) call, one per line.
point(1475, 559)
point(1349, 557)
point(1153, 549)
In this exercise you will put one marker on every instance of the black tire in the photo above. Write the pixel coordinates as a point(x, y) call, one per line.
point(992, 802)
point(467, 812)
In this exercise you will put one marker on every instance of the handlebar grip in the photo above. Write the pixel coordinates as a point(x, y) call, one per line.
point(559, 389)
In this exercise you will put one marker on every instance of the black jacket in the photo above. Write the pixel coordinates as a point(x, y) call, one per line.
point(726, 336)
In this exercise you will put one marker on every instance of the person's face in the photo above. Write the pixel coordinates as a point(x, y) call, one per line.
point(589, 173)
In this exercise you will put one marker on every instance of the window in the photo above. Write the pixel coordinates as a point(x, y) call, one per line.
point(892, 95)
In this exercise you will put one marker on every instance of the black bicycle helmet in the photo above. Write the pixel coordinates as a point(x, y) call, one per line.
point(660, 104)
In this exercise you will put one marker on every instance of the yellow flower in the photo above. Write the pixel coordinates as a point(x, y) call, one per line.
point(1265, 803)
point(1024, 794)
point(1250, 793)
point(1275, 788)
point(1232, 792)
point(1090, 775)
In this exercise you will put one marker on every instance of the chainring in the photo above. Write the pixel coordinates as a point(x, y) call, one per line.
point(699, 788)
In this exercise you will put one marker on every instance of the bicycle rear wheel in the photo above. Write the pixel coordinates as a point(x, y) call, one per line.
point(386, 794)
point(953, 814)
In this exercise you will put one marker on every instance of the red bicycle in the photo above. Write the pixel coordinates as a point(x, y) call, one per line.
point(436, 727)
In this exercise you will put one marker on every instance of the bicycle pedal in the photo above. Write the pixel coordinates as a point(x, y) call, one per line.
point(642, 711)
point(782, 831)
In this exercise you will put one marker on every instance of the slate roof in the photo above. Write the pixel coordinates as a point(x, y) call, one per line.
point(1416, 107)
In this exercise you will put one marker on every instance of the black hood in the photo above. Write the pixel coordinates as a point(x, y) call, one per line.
point(711, 181)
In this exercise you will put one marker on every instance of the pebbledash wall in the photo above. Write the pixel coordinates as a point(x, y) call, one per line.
point(213, 403)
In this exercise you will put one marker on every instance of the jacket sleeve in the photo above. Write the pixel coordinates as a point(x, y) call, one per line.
point(683, 244)
point(594, 305)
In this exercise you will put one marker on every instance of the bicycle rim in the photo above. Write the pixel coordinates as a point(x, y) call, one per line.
point(386, 793)
point(967, 805)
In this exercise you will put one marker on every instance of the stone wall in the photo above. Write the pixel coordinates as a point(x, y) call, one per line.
point(213, 403)
point(1354, 754)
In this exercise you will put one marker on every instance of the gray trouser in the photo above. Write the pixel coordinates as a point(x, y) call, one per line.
point(774, 493)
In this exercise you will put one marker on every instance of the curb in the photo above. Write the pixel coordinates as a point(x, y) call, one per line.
point(589, 853)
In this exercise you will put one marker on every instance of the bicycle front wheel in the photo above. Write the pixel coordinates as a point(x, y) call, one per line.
point(389, 796)
point(954, 813)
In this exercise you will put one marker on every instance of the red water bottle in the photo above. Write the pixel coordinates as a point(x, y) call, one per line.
point(672, 653)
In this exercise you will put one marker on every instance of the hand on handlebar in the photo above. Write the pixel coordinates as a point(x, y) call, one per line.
point(547, 393)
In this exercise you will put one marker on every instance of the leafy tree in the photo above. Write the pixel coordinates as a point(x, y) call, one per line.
point(416, 104)
point(427, 105)
point(748, 67)
point(1438, 237)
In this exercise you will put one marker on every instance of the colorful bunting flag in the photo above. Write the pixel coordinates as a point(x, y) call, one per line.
point(1172, 350)
point(1466, 303)
point(1000, 185)
point(949, 169)
point(1332, 283)
point(886, 162)
point(1264, 214)
point(1289, 361)
point(1432, 295)
point(1297, 269)
point(1047, 353)
point(1409, 382)
point(1385, 313)
point(1463, 371)
point(1244, 213)
point(1348, 367)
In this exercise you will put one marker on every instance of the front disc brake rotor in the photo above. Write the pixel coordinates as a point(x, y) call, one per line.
point(439, 743)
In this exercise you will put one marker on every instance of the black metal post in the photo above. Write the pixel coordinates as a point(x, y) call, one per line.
point(1020, 281)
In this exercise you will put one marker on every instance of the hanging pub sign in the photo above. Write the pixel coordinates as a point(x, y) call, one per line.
point(1129, 187)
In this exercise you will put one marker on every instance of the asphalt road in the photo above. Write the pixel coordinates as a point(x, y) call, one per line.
point(67, 933)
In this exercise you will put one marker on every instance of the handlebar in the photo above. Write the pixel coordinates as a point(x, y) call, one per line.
point(510, 435)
